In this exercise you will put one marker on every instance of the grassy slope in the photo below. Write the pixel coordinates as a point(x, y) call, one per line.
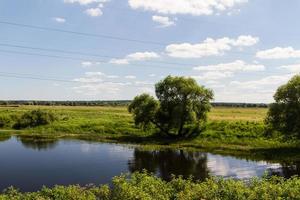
point(236, 131)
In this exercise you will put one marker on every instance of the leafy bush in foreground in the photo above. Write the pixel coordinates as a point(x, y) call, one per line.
point(34, 118)
point(142, 186)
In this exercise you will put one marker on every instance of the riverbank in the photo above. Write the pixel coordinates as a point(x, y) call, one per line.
point(232, 131)
point(144, 186)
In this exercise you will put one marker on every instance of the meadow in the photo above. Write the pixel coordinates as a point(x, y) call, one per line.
point(230, 130)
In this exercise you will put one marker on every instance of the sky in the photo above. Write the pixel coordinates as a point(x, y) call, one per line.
point(117, 49)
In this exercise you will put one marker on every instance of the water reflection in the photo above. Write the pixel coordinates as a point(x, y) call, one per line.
point(168, 162)
point(287, 170)
point(37, 143)
point(50, 162)
point(200, 165)
point(4, 138)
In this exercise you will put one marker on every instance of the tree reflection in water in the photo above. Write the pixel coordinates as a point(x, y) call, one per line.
point(38, 143)
point(287, 170)
point(168, 162)
point(4, 137)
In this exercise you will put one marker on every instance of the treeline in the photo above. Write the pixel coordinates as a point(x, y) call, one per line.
point(114, 103)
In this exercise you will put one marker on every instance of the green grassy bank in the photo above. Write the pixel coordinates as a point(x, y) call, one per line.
point(142, 186)
point(234, 131)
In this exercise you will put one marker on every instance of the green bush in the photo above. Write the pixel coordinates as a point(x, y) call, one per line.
point(142, 186)
point(34, 118)
point(4, 121)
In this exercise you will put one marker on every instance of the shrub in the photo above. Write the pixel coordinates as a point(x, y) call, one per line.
point(142, 186)
point(34, 118)
point(4, 121)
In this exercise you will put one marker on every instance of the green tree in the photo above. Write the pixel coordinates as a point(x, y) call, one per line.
point(180, 108)
point(284, 114)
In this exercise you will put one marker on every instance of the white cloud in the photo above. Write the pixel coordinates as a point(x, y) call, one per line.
point(138, 56)
point(235, 66)
point(278, 53)
point(94, 12)
point(142, 56)
point(93, 83)
point(85, 2)
point(292, 68)
point(119, 61)
point(152, 75)
point(130, 77)
point(187, 7)
point(86, 63)
point(245, 40)
point(98, 88)
point(94, 77)
point(89, 63)
point(213, 75)
point(274, 81)
point(209, 47)
point(59, 19)
point(163, 21)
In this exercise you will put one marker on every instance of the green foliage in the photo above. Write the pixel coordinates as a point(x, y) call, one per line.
point(143, 186)
point(34, 118)
point(4, 121)
point(144, 108)
point(284, 114)
point(181, 107)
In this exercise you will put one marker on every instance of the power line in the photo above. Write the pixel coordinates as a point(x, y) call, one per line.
point(79, 59)
point(81, 33)
point(33, 77)
point(85, 54)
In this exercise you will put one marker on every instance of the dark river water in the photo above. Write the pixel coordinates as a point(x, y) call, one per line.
point(29, 164)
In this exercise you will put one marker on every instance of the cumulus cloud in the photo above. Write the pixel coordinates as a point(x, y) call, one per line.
point(94, 77)
point(292, 68)
point(213, 75)
point(59, 19)
point(163, 21)
point(138, 56)
point(235, 66)
point(278, 53)
point(130, 77)
point(274, 81)
point(185, 7)
point(89, 63)
point(209, 47)
point(85, 2)
point(94, 12)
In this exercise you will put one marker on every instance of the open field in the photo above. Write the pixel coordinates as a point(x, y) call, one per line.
point(238, 131)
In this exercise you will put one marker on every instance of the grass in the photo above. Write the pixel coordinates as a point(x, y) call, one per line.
point(234, 131)
point(144, 186)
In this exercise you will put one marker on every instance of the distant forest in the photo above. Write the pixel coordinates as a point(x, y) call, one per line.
point(114, 103)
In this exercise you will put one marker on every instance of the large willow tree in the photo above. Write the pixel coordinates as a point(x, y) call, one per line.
point(179, 110)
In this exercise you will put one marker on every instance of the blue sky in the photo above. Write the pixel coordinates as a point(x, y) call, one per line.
point(242, 49)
